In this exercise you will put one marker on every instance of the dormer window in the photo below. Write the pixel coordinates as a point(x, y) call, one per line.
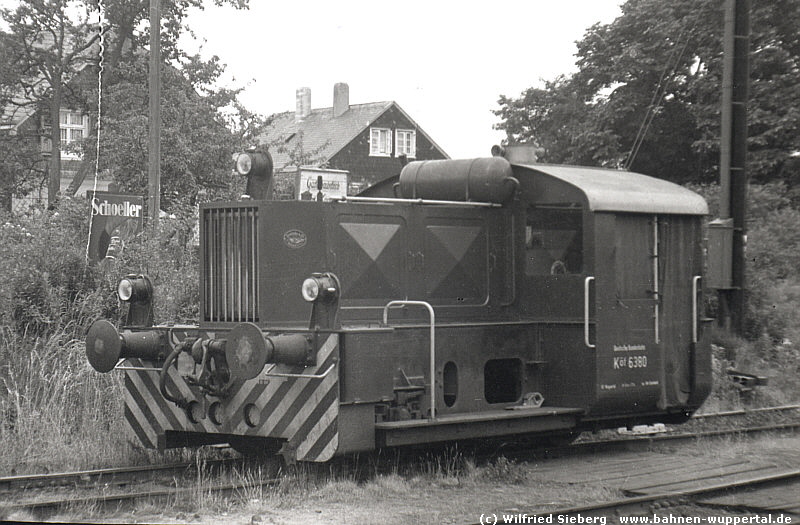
point(380, 142)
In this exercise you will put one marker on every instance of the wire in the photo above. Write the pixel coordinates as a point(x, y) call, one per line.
point(659, 93)
point(101, 13)
point(651, 113)
point(655, 102)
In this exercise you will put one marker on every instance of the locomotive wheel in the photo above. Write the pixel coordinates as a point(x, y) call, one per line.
point(254, 446)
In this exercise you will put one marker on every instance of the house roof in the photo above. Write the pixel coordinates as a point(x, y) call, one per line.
point(15, 113)
point(321, 133)
point(626, 191)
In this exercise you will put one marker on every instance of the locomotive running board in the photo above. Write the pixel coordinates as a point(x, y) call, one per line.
point(476, 425)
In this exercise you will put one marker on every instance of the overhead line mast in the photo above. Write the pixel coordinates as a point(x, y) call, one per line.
point(733, 158)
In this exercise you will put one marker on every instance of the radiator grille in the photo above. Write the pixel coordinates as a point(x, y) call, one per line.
point(230, 272)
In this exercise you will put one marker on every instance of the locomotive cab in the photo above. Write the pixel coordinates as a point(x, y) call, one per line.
point(622, 254)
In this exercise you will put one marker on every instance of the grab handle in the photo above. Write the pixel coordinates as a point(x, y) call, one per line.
point(586, 283)
point(695, 280)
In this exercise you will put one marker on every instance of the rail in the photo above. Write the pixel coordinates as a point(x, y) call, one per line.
point(395, 304)
point(586, 283)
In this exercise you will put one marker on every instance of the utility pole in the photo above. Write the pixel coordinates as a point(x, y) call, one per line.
point(727, 234)
point(154, 147)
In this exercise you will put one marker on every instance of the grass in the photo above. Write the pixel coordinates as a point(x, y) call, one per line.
point(779, 362)
point(57, 412)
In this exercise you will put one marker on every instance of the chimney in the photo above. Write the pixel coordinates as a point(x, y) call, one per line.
point(302, 103)
point(341, 98)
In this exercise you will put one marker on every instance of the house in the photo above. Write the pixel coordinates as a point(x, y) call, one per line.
point(371, 141)
point(25, 127)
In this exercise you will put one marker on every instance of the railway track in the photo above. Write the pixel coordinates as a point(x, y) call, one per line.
point(665, 504)
point(120, 486)
point(107, 476)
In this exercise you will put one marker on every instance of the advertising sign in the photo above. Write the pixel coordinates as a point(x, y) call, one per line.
point(116, 218)
point(333, 182)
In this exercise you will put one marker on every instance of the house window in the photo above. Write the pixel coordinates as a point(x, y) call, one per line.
point(380, 142)
point(406, 143)
point(74, 127)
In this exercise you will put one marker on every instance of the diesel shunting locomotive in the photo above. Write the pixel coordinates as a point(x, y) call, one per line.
point(464, 299)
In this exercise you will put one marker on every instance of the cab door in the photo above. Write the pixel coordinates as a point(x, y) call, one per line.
point(626, 308)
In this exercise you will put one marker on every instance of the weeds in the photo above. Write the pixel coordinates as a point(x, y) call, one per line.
point(504, 470)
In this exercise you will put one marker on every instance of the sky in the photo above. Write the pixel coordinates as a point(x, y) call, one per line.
point(444, 62)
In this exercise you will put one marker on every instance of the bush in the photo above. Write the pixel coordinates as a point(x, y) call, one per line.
point(169, 258)
point(51, 288)
point(772, 272)
point(55, 410)
point(772, 318)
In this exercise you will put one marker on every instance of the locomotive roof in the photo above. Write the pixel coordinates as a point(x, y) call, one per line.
point(625, 191)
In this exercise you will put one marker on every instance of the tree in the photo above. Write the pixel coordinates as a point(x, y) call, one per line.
point(20, 158)
point(21, 164)
point(50, 42)
point(130, 32)
point(201, 128)
point(647, 93)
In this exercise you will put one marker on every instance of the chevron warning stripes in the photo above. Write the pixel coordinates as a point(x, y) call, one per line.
point(302, 411)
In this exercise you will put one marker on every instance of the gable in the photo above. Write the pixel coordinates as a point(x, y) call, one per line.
point(355, 157)
point(320, 137)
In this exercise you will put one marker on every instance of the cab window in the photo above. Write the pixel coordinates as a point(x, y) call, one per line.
point(554, 240)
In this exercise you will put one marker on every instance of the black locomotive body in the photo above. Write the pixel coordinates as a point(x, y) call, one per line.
point(489, 299)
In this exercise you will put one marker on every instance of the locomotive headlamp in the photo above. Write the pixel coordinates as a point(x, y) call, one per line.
point(310, 289)
point(134, 288)
point(244, 163)
point(320, 287)
point(257, 167)
point(254, 163)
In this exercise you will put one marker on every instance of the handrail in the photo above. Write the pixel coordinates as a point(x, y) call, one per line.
point(696, 279)
point(299, 376)
point(139, 368)
point(346, 198)
point(586, 283)
point(655, 281)
point(394, 304)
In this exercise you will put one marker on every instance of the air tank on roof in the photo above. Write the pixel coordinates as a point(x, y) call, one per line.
point(484, 180)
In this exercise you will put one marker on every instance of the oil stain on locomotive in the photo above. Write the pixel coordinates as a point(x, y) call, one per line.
point(472, 298)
